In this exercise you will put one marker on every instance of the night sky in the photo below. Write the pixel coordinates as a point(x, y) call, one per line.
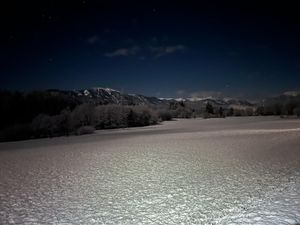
point(156, 48)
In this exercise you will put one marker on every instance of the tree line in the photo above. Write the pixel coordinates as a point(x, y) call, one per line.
point(281, 109)
point(83, 119)
point(44, 114)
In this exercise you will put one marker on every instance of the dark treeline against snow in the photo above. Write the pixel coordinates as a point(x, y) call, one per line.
point(48, 114)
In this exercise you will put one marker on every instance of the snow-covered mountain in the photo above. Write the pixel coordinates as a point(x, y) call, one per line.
point(215, 101)
point(100, 95)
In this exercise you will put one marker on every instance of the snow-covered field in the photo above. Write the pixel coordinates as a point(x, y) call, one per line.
point(215, 171)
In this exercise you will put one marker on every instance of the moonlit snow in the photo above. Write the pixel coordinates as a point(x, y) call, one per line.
point(214, 171)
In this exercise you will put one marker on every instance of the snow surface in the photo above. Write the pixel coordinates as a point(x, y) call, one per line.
point(215, 171)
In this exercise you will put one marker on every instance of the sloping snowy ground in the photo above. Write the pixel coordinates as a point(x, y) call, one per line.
point(231, 171)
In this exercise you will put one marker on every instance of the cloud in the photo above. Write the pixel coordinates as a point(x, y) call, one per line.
point(92, 40)
point(157, 51)
point(123, 52)
point(165, 50)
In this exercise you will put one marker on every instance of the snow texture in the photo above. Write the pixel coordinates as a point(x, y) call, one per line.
point(218, 171)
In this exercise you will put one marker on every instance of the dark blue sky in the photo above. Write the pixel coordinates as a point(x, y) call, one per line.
point(164, 49)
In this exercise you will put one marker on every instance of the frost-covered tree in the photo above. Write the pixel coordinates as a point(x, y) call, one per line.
point(82, 115)
point(297, 111)
point(209, 108)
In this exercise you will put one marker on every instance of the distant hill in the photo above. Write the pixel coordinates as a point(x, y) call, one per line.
point(26, 115)
point(21, 107)
point(283, 104)
point(214, 101)
point(110, 96)
point(53, 101)
point(284, 98)
point(103, 96)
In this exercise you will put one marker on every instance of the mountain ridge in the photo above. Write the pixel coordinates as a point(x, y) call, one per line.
point(104, 95)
